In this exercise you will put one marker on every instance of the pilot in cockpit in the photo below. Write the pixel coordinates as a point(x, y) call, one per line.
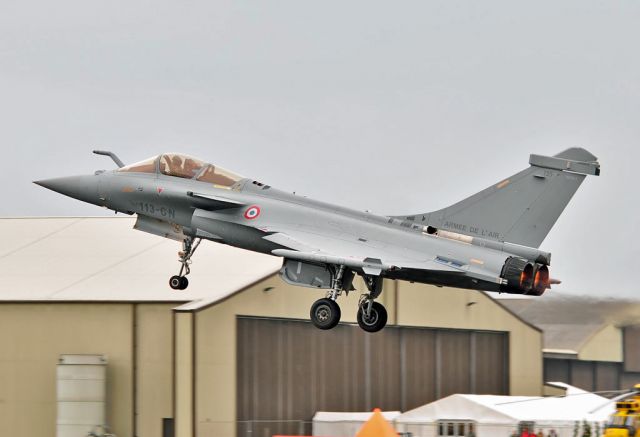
point(186, 167)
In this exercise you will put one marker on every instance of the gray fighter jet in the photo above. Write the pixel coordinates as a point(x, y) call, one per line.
point(488, 241)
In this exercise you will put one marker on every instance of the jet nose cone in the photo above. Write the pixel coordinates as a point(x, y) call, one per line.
point(83, 188)
point(47, 183)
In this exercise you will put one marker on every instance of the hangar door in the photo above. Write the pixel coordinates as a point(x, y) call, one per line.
point(287, 370)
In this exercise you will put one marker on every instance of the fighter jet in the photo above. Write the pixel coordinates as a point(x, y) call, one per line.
point(489, 241)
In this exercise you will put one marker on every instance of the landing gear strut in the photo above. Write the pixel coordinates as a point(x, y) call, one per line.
point(325, 313)
point(189, 246)
point(372, 316)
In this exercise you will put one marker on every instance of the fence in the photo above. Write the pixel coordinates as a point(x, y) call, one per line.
point(270, 428)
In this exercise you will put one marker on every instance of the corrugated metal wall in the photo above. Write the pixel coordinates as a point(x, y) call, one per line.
point(631, 335)
point(589, 375)
point(288, 370)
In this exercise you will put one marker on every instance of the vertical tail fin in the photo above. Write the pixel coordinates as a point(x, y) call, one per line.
point(523, 208)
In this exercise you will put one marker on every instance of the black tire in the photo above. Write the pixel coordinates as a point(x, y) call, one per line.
point(184, 282)
point(325, 313)
point(376, 320)
point(175, 282)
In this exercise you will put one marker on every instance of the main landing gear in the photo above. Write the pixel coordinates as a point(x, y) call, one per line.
point(325, 313)
point(372, 316)
point(189, 246)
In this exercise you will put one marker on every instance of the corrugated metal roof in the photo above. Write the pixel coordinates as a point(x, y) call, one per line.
point(569, 321)
point(104, 259)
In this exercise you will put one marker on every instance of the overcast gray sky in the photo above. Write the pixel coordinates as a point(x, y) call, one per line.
point(397, 107)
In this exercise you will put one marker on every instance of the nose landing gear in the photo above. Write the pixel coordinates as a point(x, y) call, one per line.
point(178, 282)
point(189, 246)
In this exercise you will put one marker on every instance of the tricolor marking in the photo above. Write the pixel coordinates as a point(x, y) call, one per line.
point(252, 212)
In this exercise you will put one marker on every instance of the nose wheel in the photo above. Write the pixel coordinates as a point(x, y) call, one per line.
point(180, 281)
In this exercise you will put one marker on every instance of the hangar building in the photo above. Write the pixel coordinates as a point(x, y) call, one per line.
point(234, 354)
point(591, 343)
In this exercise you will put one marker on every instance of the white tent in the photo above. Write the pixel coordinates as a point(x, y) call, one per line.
point(328, 424)
point(500, 416)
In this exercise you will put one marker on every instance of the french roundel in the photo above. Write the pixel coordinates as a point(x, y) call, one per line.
point(252, 212)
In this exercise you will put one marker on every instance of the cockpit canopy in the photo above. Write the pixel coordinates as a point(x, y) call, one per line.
point(186, 167)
